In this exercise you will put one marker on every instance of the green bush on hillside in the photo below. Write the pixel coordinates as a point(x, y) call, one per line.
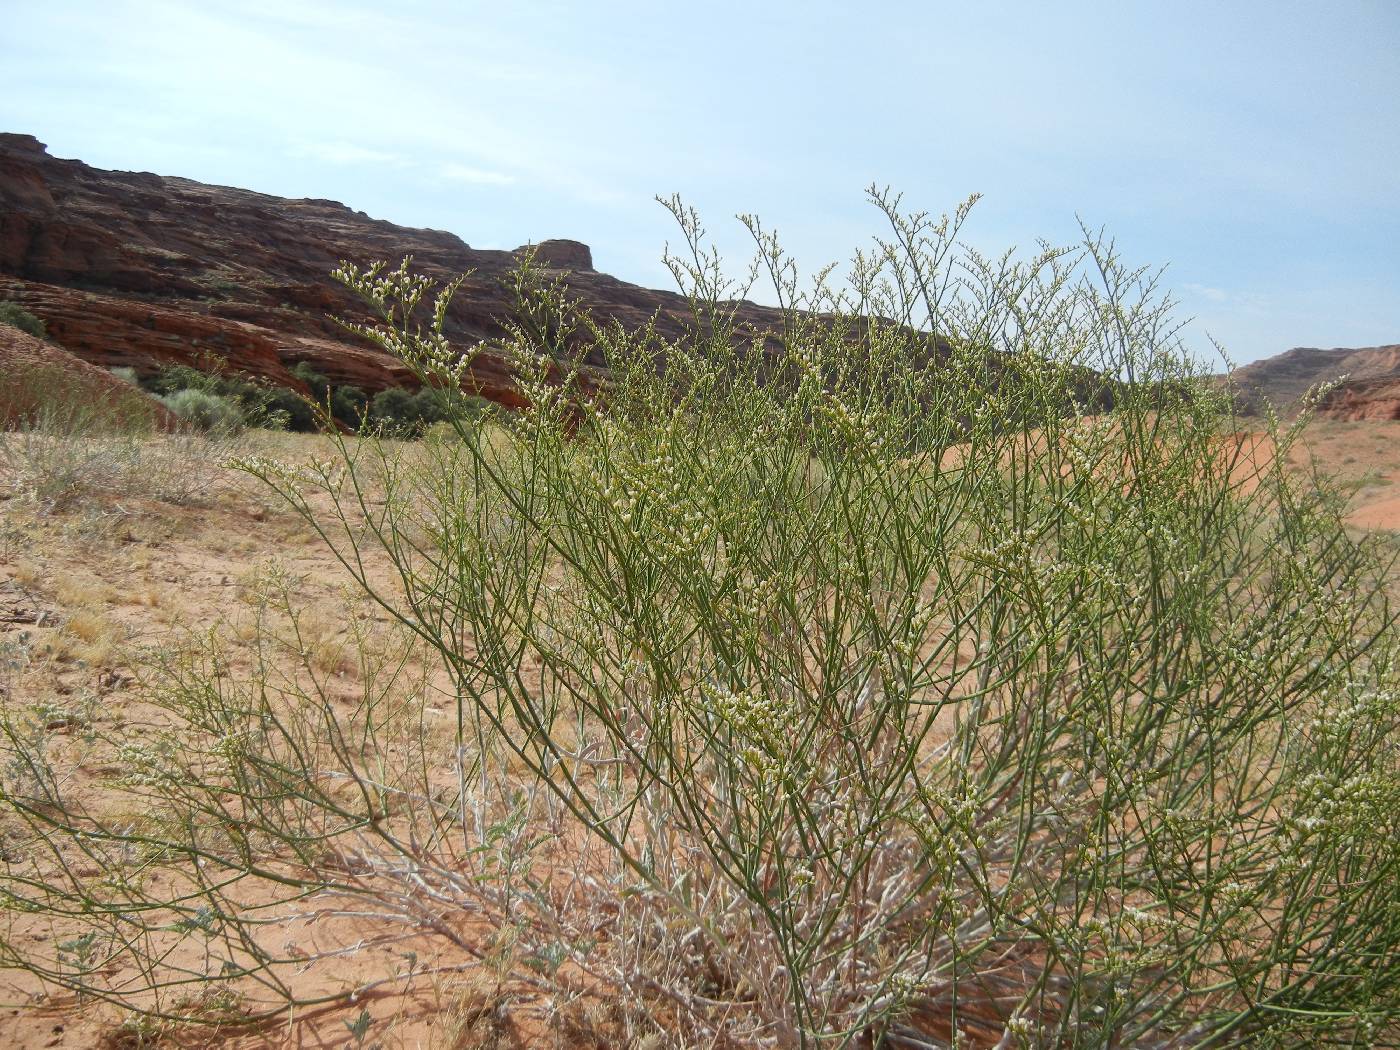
point(403, 413)
point(257, 404)
point(394, 411)
point(207, 412)
point(318, 385)
point(15, 315)
point(347, 404)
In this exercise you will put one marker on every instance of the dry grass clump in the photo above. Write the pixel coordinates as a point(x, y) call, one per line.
point(856, 689)
point(73, 442)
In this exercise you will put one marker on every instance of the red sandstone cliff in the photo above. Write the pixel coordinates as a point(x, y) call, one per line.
point(143, 270)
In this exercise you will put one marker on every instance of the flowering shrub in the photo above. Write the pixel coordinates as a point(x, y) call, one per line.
point(928, 672)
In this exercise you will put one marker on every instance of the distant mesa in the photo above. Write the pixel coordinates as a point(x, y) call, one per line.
point(1369, 386)
point(560, 254)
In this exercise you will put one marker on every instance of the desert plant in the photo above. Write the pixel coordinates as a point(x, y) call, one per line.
point(72, 441)
point(403, 413)
point(170, 379)
point(259, 404)
point(398, 412)
point(348, 405)
point(210, 413)
point(284, 409)
point(841, 685)
point(15, 315)
point(318, 384)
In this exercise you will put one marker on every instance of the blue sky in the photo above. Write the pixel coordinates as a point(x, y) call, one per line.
point(1254, 147)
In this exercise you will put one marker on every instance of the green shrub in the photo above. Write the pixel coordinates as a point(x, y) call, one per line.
point(258, 403)
point(801, 696)
point(287, 410)
point(346, 404)
point(317, 383)
point(172, 378)
point(210, 413)
point(395, 411)
point(12, 313)
point(349, 405)
point(404, 413)
point(126, 375)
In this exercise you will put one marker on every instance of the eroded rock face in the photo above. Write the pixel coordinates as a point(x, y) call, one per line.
point(1363, 399)
point(1368, 381)
point(142, 270)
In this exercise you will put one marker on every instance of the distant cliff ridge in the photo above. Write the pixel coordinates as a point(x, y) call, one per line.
point(142, 270)
point(145, 270)
point(1370, 389)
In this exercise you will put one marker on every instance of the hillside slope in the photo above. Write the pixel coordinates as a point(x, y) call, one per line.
point(142, 270)
point(27, 365)
point(1369, 386)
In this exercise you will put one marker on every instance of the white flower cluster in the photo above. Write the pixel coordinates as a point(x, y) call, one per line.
point(276, 471)
point(382, 287)
point(545, 400)
point(1020, 1027)
point(653, 497)
point(395, 295)
point(1016, 558)
point(800, 877)
point(234, 747)
point(906, 985)
point(1351, 807)
point(965, 824)
point(1372, 707)
point(147, 765)
point(908, 646)
point(1145, 919)
point(753, 598)
point(858, 429)
point(762, 724)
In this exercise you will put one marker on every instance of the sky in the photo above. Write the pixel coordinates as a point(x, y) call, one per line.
point(1251, 147)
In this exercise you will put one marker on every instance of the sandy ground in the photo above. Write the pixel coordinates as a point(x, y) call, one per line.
point(83, 590)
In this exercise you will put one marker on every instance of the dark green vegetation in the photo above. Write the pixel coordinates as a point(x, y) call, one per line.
point(213, 398)
point(17, 316)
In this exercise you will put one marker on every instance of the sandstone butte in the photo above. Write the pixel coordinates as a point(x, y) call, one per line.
point(140, 270)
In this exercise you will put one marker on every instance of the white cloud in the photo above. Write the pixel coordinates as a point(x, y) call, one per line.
point(1215, 295)
point(349, 154)
point(475, 176)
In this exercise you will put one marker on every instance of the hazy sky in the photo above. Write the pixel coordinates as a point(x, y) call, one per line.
point(1253, 146)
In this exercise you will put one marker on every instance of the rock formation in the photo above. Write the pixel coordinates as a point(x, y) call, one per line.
point(144, 270)
point(1369, 387)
